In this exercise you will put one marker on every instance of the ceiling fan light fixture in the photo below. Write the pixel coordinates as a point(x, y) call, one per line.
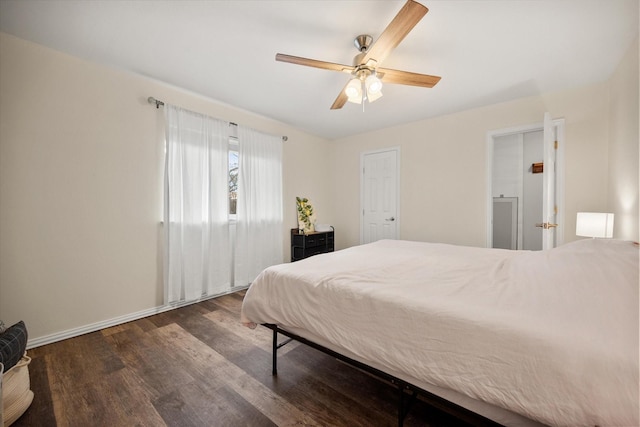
point(370, 57)
point(373, 84)
point(353, 90)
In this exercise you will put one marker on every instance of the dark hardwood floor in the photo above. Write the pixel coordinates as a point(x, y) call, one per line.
point(198, 366)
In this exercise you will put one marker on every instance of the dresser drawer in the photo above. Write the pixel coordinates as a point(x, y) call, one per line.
point(316, 240)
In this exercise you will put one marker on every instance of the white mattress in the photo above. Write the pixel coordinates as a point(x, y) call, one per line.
point(551, 335)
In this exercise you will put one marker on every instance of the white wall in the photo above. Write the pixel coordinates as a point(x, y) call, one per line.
point(81, 178)
point(444, 166)
point(623, 146)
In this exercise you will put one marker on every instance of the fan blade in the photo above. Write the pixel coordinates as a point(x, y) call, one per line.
point(340, 100)
point(313, 63)
point(410, 14)
point(388, 75)
point(342, 97)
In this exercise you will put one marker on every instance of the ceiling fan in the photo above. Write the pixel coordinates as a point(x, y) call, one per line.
point(368, 76)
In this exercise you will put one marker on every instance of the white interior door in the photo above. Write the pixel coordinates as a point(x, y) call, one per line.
point(379, 195)
point(549, 222)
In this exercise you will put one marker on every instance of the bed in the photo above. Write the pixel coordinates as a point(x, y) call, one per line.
point(520, 337)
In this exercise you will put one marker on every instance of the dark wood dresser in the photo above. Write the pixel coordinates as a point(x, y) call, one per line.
point(306, 245)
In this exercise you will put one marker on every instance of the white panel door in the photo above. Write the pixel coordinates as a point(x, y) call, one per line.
point(549, 209)
point(379, 195)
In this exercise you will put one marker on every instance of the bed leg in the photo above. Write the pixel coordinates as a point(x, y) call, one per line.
point(274, 366)
point(403, 410)
point(400, 407)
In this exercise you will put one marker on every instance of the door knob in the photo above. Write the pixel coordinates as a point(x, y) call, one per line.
point(390, 219)
point(546, 225)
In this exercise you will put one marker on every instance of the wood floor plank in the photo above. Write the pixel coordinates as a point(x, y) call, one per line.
point(117, 400)
point(173, 316)
point(160, 371)
point(207, 361)
point(174, 410)
point(231, 302)
point(299, 386)
point(132, 399)
point(198, 366)
point(260, 336)
point(129, 327)
point(41, 411)
point(222, 406)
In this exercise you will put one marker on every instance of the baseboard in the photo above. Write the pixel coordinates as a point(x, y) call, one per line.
point(75, 332)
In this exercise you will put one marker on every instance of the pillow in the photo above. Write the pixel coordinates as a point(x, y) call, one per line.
point(13, 343)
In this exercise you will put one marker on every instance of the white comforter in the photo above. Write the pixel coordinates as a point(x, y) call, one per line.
point(552, 335)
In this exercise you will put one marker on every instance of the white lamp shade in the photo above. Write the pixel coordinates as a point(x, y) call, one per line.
point(594, 224)
point(353, 90)
point(373, 84)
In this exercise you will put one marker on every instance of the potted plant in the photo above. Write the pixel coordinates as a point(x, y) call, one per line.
point(306, 216)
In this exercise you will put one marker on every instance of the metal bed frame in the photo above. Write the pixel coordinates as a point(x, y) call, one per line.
point(407, 392)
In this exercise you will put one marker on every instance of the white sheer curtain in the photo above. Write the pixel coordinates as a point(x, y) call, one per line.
point(259, 211)
point(197, 248)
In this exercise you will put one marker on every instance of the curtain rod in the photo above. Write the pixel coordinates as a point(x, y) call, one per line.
point(152, 100)
point(158, 104)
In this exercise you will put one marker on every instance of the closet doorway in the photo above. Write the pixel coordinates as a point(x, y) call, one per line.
point(525, 186)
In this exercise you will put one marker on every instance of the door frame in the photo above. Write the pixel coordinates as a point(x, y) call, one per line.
point(558, 125)
point(363, 154)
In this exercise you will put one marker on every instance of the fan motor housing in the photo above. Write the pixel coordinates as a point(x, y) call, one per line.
point(362, 42)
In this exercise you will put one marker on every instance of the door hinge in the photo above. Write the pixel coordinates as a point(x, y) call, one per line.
point(555, 210)
point(555, 145)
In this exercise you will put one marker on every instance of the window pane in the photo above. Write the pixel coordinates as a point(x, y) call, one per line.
point(233, 181)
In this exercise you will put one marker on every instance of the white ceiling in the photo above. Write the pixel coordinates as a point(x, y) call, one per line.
point(485, 51)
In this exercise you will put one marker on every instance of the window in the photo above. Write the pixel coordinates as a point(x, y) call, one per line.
point(233, 177)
